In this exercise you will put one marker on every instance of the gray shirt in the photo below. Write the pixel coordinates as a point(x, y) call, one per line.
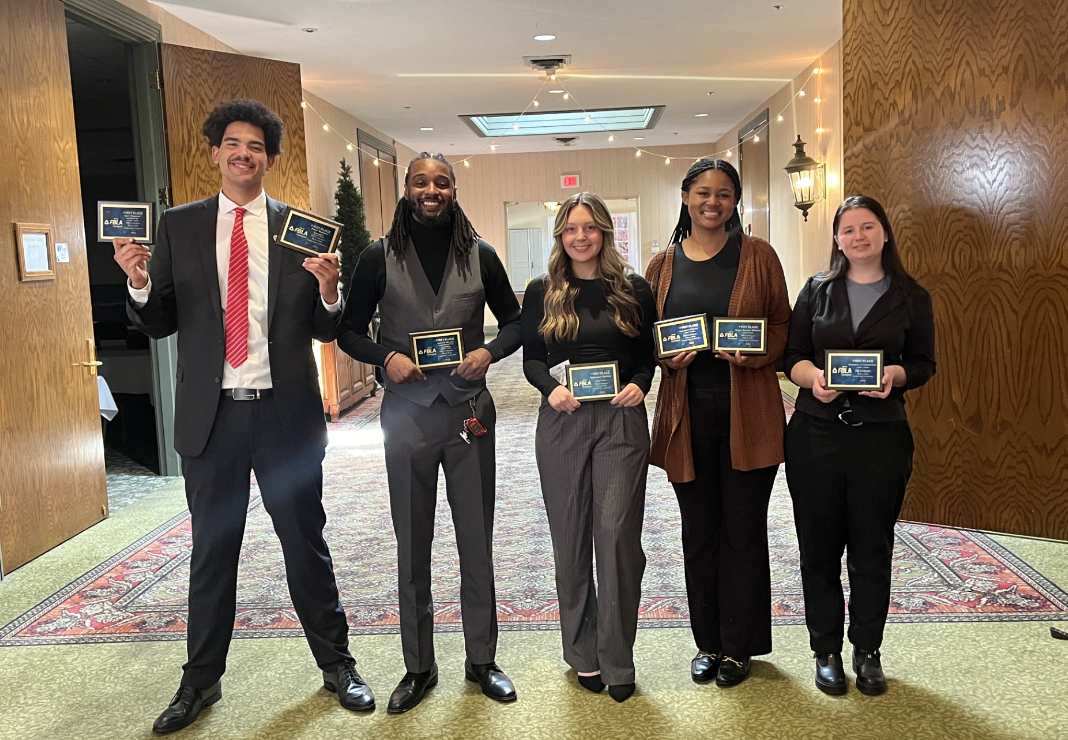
point(862, 296)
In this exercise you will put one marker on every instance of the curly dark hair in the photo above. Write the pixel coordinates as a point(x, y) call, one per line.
point(247, 111)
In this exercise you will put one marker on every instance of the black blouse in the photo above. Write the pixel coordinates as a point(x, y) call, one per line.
point(599, 339)
point(903, 330)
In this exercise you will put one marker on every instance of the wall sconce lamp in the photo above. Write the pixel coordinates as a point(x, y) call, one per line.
point(806, 179)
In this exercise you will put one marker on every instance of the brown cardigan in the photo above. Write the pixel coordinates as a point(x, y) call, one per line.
point(756, 401)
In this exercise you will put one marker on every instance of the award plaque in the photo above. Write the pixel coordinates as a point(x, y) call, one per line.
point(748, 336)
point(593, 381)
point(432, 349)
point(305, 232)
point(854, 369)
point(121, 219)
point(683, 334)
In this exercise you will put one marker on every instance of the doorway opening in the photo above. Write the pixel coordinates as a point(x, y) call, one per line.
point(101, 77)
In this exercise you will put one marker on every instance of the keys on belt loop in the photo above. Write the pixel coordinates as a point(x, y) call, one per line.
point(472, 426)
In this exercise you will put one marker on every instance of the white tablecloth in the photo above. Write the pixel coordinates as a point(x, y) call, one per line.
point(108, 407)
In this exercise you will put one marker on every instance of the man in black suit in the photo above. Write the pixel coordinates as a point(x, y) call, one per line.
point(247, 398)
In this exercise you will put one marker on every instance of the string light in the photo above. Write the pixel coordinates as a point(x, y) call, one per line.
point(729, 154)
point(567, 95)
point(817, 100)
point(349, 147)
point(375, 163)
point(326, 127)
point(611, 137)
point(779, 119)
point(756, 139)
point(493, 147)
point(801, 93)
point(637, 152)
point(536, 103)
point(667, 160)
point(304, 104)
point(466, 163)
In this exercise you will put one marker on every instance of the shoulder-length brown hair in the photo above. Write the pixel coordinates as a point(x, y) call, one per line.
point(560, 322)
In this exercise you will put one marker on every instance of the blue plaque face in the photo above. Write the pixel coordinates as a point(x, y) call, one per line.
point(116, 219)
point(748, 336)
point(305, 232)
point(854, 370)
point(593, 381)
point(432, 349)
point(683, 334)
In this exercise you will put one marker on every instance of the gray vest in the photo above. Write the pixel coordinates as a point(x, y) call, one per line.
point(410, 305)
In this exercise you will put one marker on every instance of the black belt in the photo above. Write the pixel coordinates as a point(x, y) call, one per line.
point(247, 394)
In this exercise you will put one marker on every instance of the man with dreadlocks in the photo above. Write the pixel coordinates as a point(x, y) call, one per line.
point(432, 272)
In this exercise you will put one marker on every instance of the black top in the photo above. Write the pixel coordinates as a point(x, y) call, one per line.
point(368, 285)
point(705, 287)
point(599, 339)
point(904, 331)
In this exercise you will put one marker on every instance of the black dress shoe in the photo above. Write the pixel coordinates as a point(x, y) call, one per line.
point(732, 671)
point(591, 683)
point(491, 678)
point(621, 691)
point(868, 666)
point(411, 689)
point(352, 692)
point(185, 707)
point(703, 667)
point(830, 676)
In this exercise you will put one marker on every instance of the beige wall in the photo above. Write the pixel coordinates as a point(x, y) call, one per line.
point(493, 179)
point(803, 248)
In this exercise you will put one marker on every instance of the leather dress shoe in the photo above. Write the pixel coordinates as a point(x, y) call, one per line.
point(704, 666)
point(732, 671)
point(411, 689)
point(591, 683)
point(868, 666)
point(352, 692)
point(185, 707)
point(830, 676)
point(495, 684)
point(621, 691)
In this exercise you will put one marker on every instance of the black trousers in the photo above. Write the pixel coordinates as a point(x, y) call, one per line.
point(247, 436)
point(847, 484)
point(725, 536)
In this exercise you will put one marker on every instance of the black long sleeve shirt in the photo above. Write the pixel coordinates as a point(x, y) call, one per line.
point(599, 339)
point(368, 285)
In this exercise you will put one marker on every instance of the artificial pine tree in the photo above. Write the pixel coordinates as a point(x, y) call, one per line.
point(355, 237)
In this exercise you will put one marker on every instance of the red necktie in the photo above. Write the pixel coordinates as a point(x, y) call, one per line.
point(237, 294)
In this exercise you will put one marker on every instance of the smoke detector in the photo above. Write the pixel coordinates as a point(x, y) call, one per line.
point(565, 140)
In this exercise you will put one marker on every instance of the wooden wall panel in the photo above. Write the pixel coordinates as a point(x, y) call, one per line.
point(52, 482)
point(194, 82)
point(955, 120)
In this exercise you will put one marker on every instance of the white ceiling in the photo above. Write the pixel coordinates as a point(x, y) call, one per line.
point(374, 58)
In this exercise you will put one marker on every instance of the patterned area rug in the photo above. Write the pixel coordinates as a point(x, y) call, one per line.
point(139, 594)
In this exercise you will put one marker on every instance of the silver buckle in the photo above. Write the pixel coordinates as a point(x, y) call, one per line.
point(245, 394)
point(845, 415)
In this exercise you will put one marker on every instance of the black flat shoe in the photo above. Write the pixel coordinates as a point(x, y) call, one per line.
point(732, 671)
point(353, 693)
point(185, 707)
point(494, 683)
point(591, 683)
point(621, 691)
point(830, 676)
point(704, 666)
point(411, 689)
point(868, 666)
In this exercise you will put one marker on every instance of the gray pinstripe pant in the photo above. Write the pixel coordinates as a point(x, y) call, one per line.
point(593, 466)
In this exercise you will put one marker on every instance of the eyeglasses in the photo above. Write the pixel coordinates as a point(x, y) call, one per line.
point(846, 417)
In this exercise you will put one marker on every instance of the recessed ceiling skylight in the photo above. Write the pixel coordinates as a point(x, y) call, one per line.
point(564, 122)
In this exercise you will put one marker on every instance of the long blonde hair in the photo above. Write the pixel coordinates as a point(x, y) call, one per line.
point(560, 322)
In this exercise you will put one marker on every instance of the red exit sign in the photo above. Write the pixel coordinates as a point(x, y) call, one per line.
point(569, 181)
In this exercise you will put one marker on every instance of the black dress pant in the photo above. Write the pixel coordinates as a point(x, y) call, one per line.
point(725, 536)
point(247, 436)
point(847, 484)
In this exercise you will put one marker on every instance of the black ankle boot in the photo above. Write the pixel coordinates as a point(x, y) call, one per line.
point(830, 676)
point(868, 666)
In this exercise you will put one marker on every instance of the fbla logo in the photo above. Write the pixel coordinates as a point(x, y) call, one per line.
point(841, 371)
point(728, 335)
point(428, 351)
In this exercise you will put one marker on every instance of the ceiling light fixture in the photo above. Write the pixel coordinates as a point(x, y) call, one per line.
point(700, 115)
point(536, 122)
point(545, 37)
point(426, 128)
point(556, 92)
point(309, 30)
point(639, 138)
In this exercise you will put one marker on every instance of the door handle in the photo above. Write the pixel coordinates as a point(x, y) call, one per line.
point(93, 363)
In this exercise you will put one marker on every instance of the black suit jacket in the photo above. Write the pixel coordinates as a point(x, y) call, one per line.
point(903, 330)
point(185, 299)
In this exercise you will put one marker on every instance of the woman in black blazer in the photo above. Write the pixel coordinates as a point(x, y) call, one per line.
point(849, 455)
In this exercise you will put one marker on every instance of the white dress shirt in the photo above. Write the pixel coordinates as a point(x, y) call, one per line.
point(255, 372)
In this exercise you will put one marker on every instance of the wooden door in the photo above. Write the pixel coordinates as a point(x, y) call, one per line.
point(754, 161)
point(194, 82)
point(52, 482)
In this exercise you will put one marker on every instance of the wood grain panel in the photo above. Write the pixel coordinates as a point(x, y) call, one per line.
point(955, 121)
point(194, 82)
point(52, 482)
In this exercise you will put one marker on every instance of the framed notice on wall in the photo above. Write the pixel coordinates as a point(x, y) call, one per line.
point(36, 260)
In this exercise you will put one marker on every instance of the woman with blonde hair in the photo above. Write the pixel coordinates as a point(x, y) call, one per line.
point(592, 455)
